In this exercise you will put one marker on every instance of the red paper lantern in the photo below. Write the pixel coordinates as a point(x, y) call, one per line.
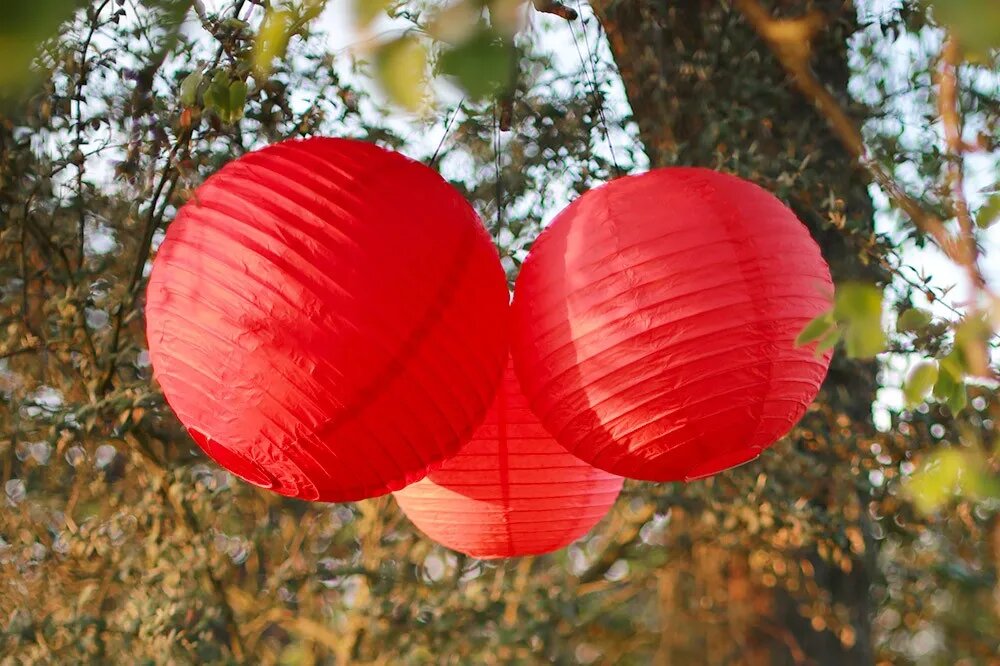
point(512, 490)
point(654, 324)
point(328, 319)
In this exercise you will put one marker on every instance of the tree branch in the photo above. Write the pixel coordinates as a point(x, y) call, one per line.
point(556, 8)
point(626, 536)
point(948, 106)
point(790, 40)
point(81, 81)
point(192, 525)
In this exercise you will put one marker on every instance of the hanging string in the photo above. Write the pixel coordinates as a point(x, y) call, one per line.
point(592, 80)
point(498, 172)
point(447, 129)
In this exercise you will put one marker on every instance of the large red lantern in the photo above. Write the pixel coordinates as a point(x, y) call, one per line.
point(654, 323)
point(328, 319)
point(512, 490)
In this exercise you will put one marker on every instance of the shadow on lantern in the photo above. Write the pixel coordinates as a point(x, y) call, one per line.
point(511, 490)
point(584, 412)
point(569, 406)
point(243, 467)
point(602, 360)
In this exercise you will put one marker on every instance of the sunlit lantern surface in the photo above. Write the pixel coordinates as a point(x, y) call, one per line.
point(512, 490)
point(654, 323)
point(327, 318)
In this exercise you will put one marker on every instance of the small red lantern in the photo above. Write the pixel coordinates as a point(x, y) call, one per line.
point(328, 319)
point(654, 324)
point(512, 490)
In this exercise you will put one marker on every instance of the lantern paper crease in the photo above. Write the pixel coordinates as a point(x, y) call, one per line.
point(328, 318)
point(654, 323)
point(511, 490)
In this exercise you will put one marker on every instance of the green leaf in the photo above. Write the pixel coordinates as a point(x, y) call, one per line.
point(989, 212)
point(234, 23)
point(919, 381)
point(237, 100)
point(938, 480)
point(972, 329)
point(815, 329)
point(945, 385)
point(366, 11)
point(189, 88)
point(217, 95)
point(23, 26)
point(309, 10)
point(481, 65)
point(401, 66)
point(954, 365)
point(975, 22)
point(857, 301)
point(858, 307)
point(272, 40)
point(864, 340)
point(959, 398)
point(972, 337)
point(950, 387)
point(949, 473)
point(913, 320)
point(828, 341)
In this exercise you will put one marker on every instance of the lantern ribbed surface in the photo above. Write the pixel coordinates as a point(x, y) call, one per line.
point(654, 323)
point(512, 490)
point(327, 318)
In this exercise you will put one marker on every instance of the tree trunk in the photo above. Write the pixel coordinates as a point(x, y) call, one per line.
point(705, 90)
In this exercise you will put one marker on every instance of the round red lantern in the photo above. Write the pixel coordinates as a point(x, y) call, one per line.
point(654, 324)
point(512, 490)
point(327, 318)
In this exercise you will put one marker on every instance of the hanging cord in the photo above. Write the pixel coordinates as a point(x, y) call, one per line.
point(592, 80)
point(506, 96)
point(498, 171)
point(447, 130)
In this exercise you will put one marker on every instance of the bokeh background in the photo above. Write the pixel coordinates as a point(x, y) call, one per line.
point(868, 536)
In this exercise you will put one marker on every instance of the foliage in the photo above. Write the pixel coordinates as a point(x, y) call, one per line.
point(119, 538)
point(976, 22)
point(24, 27)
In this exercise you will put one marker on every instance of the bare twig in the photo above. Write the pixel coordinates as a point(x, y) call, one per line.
point(168, 181)
point(31, 349)
point(19, 351)
point(165, 188)
point(78, 154)
point(591, 75)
